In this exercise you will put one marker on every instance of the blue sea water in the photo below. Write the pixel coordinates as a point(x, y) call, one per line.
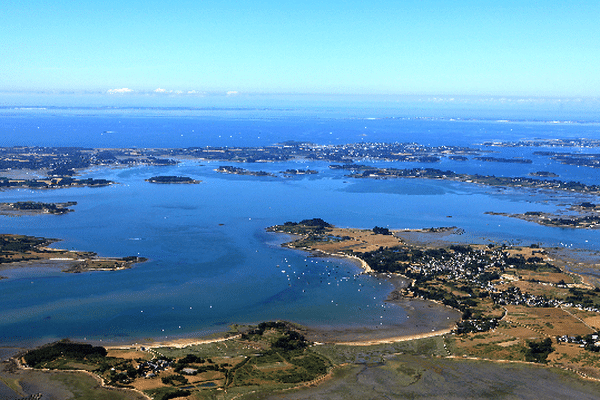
point(211, 263)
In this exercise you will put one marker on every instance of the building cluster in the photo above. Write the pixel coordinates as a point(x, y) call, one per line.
point(150, 369)
point(593, 339)
point(481, 269)
point(340, 152)
point(63, 161)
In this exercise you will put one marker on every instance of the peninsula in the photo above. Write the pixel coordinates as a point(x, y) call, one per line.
point(51, 183)
point(34, 207)
point(18, 251)
point(519, 306)
point(584, 215)
point(507, 295)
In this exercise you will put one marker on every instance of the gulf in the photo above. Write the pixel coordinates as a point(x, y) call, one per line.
point(212, 264)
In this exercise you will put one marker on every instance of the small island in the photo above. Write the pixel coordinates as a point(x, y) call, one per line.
point(28, 251)
point(544, 174)
point(167, 179)
point(289, 172)
point(504, 160)
point(35, 208)
point(228, 169)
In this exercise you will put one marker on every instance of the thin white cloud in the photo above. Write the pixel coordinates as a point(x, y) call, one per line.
point(119, 91)
point(159, 90)
point(232, 93)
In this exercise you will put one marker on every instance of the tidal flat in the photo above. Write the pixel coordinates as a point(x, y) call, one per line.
point(408, 376)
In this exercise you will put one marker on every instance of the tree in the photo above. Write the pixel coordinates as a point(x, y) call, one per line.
point(538, 351)
point(381, 231)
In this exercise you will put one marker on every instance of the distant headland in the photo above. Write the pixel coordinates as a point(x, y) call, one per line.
point(28, 251)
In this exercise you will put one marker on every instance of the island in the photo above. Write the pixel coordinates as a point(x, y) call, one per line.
point(18, 251)
point(504, 160)
point(35, 208)
point(366, 171)
point(228, 169)
point(51, 183)
point(586, 160)
point(544, 174)
point(299, 172)
point(61, 164)
point(579, 159)
point(167, 179)
point(558, 142)
point(585, 215)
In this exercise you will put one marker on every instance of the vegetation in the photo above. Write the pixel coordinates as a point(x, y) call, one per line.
point(538, 351)
point(314, 226)
point(166, 393)
point(20, 248)
point(39, 358)
point(361, 171)
point(228, 169)
point(14, 248)
point(381, 231)
point(480, 281)
point(299, 172)
point(53, 183)
point(504, 160)
point(48, 208)
point(171, 179)
point(282, 358)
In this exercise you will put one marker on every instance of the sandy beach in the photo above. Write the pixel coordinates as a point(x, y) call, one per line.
point(423, 318)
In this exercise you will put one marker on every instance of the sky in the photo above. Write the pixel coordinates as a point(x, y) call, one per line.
point(190, 48)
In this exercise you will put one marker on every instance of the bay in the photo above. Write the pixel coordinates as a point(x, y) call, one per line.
point(211, 263)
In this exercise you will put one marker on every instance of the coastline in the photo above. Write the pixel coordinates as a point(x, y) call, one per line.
point(424, 318)
point(420, 326)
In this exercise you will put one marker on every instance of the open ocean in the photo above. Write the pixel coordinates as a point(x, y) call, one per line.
point(211, 263)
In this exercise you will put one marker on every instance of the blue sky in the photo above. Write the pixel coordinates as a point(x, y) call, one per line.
point(481, 48)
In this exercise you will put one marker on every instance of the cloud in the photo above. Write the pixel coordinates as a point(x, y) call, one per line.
point(159, 90)
point(232, 93)
point(119, 91)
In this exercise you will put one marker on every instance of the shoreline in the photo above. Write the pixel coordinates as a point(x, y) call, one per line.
point(424, 319)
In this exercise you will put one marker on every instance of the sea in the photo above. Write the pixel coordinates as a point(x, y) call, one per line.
point(211, 263)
